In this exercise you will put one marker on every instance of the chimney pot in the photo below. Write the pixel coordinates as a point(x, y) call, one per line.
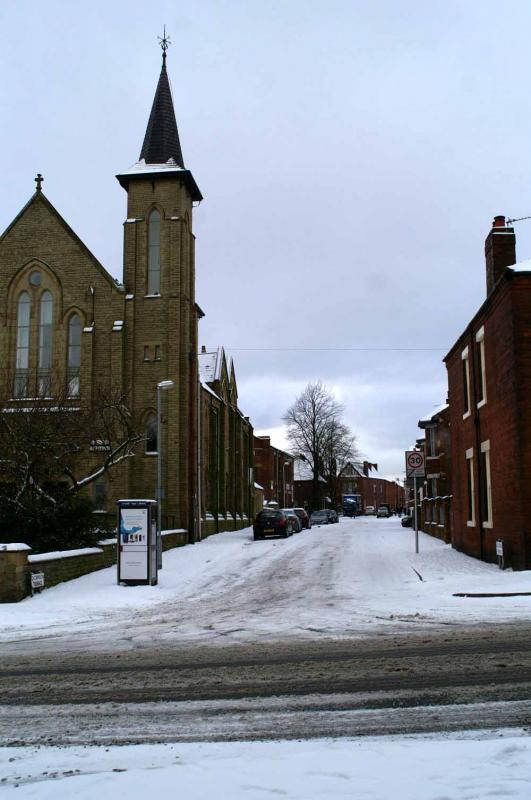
point(500, 251)
point(203, 348)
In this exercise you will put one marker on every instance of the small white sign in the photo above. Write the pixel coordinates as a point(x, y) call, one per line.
point(415, 466)
point(37, 580)
point(499, 547)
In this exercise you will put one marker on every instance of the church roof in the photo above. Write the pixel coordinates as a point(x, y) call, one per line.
point(161, 151)
point(161, 142)
point(39, 197)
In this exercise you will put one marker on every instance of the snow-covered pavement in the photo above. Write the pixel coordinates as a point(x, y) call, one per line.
point(436, 768)
point(347, 580)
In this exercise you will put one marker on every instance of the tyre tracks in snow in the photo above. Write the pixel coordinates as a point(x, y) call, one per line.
point(471, 678)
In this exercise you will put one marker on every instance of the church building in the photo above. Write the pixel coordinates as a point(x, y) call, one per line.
point(69, 329)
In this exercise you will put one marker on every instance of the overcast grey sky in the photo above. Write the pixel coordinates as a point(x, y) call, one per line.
point(351, 155)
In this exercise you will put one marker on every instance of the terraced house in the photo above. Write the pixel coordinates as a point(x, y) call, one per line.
point(68, 328)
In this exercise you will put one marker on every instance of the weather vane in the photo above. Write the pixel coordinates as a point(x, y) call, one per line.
point(164, 42)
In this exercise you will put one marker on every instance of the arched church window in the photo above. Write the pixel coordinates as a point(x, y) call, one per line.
point(74, 355)
point(151, 434)
point(153, 282)
point(45, 344)
point(23, 340)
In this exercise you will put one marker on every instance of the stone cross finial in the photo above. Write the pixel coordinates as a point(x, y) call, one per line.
point(38, 180)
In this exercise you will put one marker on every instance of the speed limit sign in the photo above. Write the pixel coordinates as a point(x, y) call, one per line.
point(415, 467)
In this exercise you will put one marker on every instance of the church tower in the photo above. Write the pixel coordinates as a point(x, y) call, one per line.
point(161, 314)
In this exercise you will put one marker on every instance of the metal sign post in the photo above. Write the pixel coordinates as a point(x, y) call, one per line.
point(415, 468)
point(416, 515)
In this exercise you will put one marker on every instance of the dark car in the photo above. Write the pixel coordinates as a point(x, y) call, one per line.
point(383, 511)
point(407, 521)
point(320, 517)
point(293, 518)
point(304, 517)
point(272, 522)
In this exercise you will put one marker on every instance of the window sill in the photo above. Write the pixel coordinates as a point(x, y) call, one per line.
point(481, 403)
point(466, 415)
point(151, 454)
point(470, 524)
point(151, 296)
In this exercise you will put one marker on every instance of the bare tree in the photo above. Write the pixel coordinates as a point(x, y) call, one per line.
point(52, 450)
point(315, 432)
point(339, 450)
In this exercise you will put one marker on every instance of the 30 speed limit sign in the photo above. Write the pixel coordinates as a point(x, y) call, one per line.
point(415, 467)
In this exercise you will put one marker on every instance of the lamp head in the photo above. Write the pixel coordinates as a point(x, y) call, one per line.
point(166, 385)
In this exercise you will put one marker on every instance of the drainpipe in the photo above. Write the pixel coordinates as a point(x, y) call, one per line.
point(199, 461)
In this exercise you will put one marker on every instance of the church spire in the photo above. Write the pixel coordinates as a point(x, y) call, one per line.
point(161, 142)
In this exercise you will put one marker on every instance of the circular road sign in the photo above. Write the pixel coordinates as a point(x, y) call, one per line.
point(415, 460)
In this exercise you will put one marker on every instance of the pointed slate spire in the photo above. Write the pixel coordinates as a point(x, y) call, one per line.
point(161, 142)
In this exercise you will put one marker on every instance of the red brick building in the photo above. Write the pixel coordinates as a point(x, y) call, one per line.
point(273, 471)
point(489, 380)
point(378, 491)
point(436, 489)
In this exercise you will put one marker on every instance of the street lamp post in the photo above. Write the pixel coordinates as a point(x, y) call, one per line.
point(162, 386)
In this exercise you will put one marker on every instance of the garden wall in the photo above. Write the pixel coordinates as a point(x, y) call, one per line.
point(16, 563)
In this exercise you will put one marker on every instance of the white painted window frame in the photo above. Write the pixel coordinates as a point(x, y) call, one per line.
point(480, 339)
point(471, 523)
point(485, 448)
point(466, 359)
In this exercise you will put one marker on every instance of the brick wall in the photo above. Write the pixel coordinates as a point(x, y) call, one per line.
point(15, 566)
point(504, 421)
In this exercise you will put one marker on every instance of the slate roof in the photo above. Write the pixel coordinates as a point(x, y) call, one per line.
point(161, 142)
point(303, 472)
point(161, 150)
point(208, 366)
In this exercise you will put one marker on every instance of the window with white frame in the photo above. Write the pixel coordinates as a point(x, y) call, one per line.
point(471, 519)
point(486, 491)
point(481, 380)
point(466, 382)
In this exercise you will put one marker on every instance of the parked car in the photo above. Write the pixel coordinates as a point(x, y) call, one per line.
point(303, 516)
point(383, 511)
point(272, 522)
point(320, 517)
point(407, 521)
point(294, 518)
point(370, 511)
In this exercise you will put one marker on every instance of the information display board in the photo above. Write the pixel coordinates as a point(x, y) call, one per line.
point(137, 541)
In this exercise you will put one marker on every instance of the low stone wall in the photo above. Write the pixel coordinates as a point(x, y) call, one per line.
point(16, 565)
point(13, 572)
point(228, 523)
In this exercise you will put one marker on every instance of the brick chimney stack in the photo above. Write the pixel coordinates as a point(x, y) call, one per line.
point(500, 251)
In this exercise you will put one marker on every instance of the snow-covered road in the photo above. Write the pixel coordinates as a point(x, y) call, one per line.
point(347, 580)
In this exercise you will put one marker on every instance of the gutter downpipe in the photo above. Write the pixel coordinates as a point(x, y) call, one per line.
point(199, 461)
